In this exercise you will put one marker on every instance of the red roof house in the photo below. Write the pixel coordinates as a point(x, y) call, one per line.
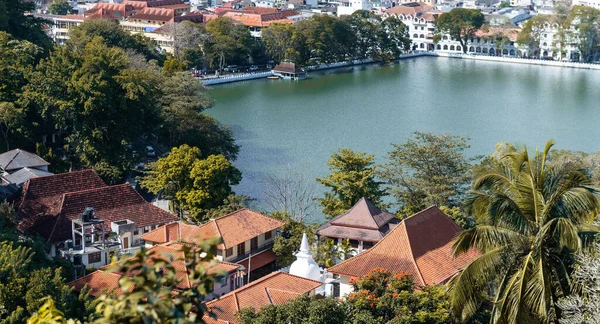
point(421, 246)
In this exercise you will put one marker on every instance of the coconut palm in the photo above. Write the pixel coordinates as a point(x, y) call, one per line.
point(532, 218)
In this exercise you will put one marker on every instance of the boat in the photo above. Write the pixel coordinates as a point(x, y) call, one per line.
point(273, 77)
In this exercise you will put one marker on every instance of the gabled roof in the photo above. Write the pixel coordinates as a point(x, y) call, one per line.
point(113, 11)
point(420, 245)
point(110, 204)
point(234, 228)
point(258, 19)
point(102, 280)
point(363, 222)
point(21, 176)
point(154, 14)
point(414, 9)
point(41, 198)
point(48, 204)
point(287, 67)
point(276, 288)
point(18, 159)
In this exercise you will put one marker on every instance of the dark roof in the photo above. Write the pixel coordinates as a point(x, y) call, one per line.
point(363, 222)
point(48, 204)
point(420, 245)
point(287, 67)
point(21, 176)
point(18, 159)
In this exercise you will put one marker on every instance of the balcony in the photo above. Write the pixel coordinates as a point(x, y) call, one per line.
point(259, 249)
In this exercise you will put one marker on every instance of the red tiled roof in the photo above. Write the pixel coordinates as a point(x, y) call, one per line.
point(48, 204)
point(154, 14)
point(363, 222)
point(420, 245)
point(110, 204)
point(234, 228)
point(259, 260)
point(511, 33)
point(413, 9)
point(287, 67)
point(102, 280)
point(276, 288)
point(113, 11)
point(258, 20)
point(41, 198)
point(98, 282)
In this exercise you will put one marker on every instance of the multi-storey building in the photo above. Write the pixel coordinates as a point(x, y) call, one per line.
point(419, 17)
point(247, 236)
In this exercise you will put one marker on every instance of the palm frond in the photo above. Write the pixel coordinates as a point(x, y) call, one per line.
point(486, 238)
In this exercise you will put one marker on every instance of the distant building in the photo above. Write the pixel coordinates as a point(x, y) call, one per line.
point(421, 246)
point(18, 166)
point(419, 17)
point(230, 274)
point(348, 7)
point(288, 70)
point(274, 289)
point(587, 3)
point(256, 19)
point(247, 238)
point(364, 225)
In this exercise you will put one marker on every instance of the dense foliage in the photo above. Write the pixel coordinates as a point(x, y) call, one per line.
point(195, 184)
point(352, 178)
point(531, 218)
point(460, 24)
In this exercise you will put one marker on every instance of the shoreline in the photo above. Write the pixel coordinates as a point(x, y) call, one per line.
point(514, 60)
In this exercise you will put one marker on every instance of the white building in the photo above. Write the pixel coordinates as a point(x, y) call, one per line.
point(348, 7)
point(587, 3)
point(419, 18)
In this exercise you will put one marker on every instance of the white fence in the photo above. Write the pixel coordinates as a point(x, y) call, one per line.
point(575, 65)
point(236, 78)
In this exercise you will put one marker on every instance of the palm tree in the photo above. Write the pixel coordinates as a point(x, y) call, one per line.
point(532, 217)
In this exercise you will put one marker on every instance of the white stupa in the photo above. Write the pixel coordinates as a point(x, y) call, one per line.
point(305, 266)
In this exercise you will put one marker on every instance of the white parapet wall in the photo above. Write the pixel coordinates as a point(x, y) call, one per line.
point(575, 65)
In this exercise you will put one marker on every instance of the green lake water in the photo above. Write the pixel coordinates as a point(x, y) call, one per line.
point(285, 125)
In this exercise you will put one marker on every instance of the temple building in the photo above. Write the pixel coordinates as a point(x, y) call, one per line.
point(421, 246)
point(364, 225)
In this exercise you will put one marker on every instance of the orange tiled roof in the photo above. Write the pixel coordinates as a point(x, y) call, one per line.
point(234, 228)
point(258, 20)
point(276, 288)
point(113, 11)
point(101, 280)
point(420, 245)
point(511, 33)
point(154, 14)
point(98, 282)
point(414, 9)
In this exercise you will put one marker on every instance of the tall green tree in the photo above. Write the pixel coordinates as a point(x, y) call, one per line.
point(428, 169)
point(195, 184)
point(329, 39)
point(394, 38)
point(284, 42)
point(531, 32)
point(60, 7)
point(114, 36)
point(586, 22)
point(302, 310)
point(352, 177)
point(460, 24)
point(98, 101)
point(532, 218)
point(288, 242)
point(227, 43)
point(367, 28)
point(16, 21)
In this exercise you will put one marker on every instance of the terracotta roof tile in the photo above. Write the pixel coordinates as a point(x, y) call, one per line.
point(98, 282)
point(259, 260)
point(110, 204)
point(421, 246)
point(234, 228)
point(276, 288)
point(155, 14)
point(41, 198)
point(103, 280)
point(258, 20)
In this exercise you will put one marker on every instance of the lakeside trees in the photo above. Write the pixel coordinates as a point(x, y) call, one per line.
point(460, 24)
point(352, 178)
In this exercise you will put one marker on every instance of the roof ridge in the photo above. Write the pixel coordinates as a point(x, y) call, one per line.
point(14, 156)
point(235, 298)
point(58, 217)
point(100, 188)
point(255, 282)
point(268, 295)
point(233, 212)
point(419, 213)
point(412, 256)
point(219, 232)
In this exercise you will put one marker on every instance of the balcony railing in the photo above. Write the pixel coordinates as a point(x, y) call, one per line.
point(259, 249)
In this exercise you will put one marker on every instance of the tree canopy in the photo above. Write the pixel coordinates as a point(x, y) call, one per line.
point(460, 24)
point(59, 7)
point(352, 178)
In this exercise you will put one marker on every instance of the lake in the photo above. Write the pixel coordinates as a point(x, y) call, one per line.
point(285, 126)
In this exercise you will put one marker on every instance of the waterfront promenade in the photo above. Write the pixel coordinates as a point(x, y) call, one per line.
point(261, 75)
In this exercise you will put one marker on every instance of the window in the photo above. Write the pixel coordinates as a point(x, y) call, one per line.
point(268, 235)
point(228, 252)
point(136, 232)
point(254, 243)
point(94, 257)
point(367, 245)
point(241, 248)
